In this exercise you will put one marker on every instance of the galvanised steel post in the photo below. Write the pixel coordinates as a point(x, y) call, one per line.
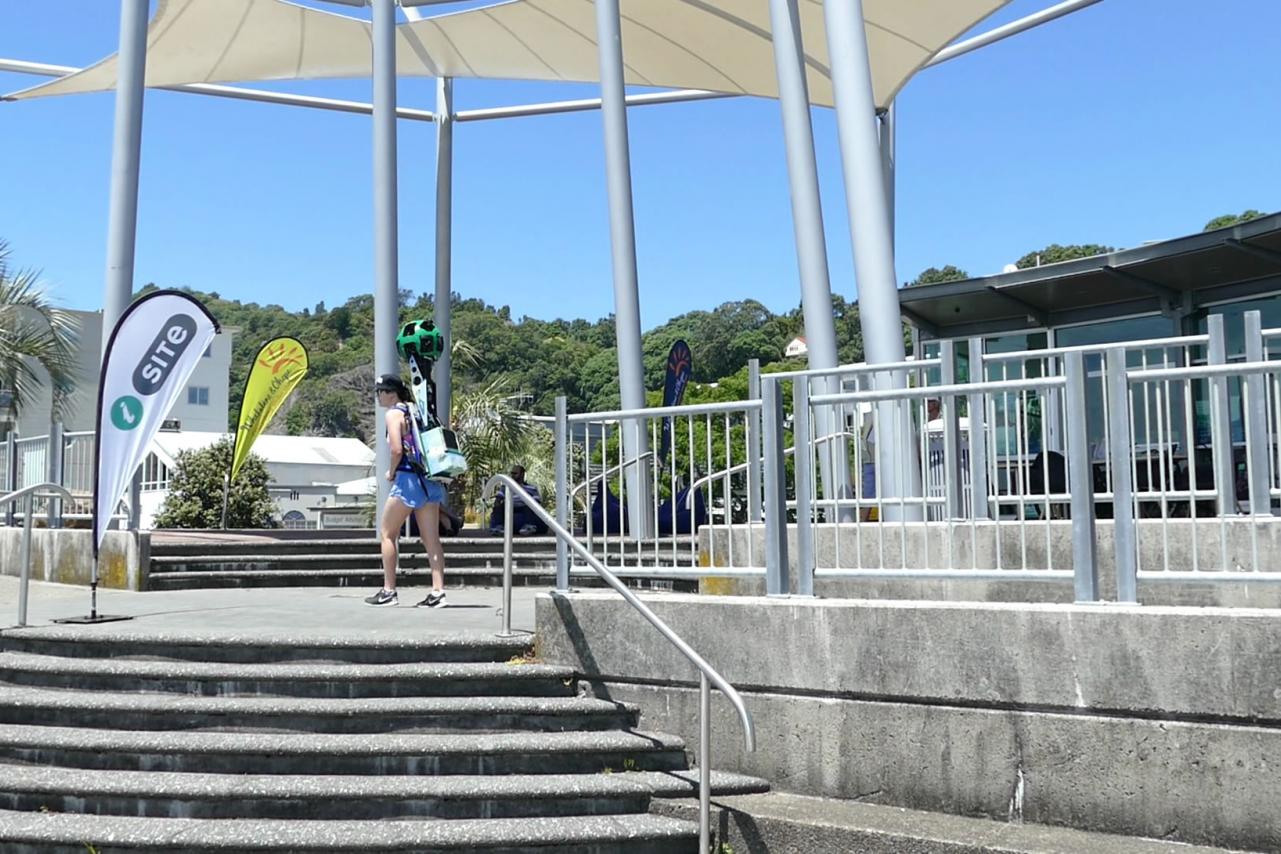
point(57, 450)
point(898, 470)
point(11, 473)
point(1220, 420)
point(1255, 403)
point(126, 158)
point(776, 570)
point(888, 155)
point(1080, 474)
point(803, 466)
point(1120, 442)
point(951, 434)
point(622, 233)
point(442, 316)
point(386, 271)
point(807, 217)
point(562, 449)
point(980, 505)
point(754, 443)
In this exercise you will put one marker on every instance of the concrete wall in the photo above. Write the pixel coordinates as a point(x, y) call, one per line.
point(1034, 545)
point(1160, 722)
point(66, 556)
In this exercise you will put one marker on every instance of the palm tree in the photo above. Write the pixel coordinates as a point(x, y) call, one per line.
point(494, 434)
point(34, 335)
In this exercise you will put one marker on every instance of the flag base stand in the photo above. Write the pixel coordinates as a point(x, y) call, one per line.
point(93, 618)
point(93, 615)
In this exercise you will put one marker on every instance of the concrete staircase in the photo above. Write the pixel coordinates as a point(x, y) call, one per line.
point(349, 561)
point(118, 742)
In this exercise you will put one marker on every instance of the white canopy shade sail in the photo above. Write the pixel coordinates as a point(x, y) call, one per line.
point(717, 45)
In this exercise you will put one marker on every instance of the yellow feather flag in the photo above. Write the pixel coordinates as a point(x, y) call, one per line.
point(279, 366)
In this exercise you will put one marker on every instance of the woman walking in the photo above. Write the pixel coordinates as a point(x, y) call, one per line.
point(411, 492)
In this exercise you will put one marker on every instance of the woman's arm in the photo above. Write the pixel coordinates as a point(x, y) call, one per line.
point(395, 440)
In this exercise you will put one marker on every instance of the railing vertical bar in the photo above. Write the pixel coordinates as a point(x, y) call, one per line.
point(1080, 482)
point(803, 461)
point(563, 450)
point(1120, 442)
point(775, 498)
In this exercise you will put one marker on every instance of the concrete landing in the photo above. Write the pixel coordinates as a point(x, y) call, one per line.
point(299, 613)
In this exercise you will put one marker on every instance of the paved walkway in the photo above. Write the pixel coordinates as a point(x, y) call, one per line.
point(302, 612)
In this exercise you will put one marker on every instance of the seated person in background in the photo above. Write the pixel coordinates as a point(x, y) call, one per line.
point(523, 519)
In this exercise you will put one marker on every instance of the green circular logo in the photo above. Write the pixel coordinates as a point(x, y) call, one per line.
point(126, 412)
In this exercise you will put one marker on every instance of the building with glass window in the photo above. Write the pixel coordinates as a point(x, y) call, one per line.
point(1156, 291)
point(204, 406)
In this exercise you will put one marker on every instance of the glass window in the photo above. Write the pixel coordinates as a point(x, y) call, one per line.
point(198, 395)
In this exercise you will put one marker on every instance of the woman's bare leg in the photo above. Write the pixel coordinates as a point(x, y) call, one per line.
point(394, 515)
point(428, 517)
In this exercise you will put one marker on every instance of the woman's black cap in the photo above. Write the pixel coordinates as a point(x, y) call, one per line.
point(391, 382)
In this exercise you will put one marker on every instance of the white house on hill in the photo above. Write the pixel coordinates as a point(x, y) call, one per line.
point(796, 347)
point(307, 471)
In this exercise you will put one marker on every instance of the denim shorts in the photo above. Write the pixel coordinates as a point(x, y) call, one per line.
point(408, 488)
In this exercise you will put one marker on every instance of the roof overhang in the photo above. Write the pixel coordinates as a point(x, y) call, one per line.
point(1172, 277)
point(715, 45)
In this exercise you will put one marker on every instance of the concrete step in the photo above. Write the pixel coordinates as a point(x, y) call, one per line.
point(796, 824)
point(381, 753)
point(348, 798)
point(411, 576)
point(60, 833)
point(106, 642)
point(310, 714)
point(229, 562)
point(293, 679)
point(365, 545)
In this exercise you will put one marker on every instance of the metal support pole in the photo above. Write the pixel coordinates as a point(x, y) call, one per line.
point(754, 513)
point(980, 506)
point(444, 306)
point(803, 466)
point(1221, 420)
point(509, 515)
point(898, 471)
point(1080, 481)
point(386, 278)
point(704, 763)
point(807, 216)
point(126, 157)
point(134, 520)
point(562, 450)
point(25, 570)
point(1120, 447)
point(1254, 402)
point(776, 570)
point(11, 474)
point(622, 233)
point(57, 450)
point(955, 508)
point(889, 153)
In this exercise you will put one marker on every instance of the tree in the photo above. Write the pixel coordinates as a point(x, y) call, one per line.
point(33, 335)
point(933, 276)
point(339, 321)
point(1230, 219)
point(495, 433)
point(1054, 253)
point(195, 491)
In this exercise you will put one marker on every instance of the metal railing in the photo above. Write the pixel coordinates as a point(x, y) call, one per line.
point(28, 495)
point(708, 676)
point(931, 533)
point(643, 508)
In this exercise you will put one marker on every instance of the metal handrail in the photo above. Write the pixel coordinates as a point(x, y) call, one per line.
point(731, 406)
point(787, 452)
point(607, 472)
point(1143, 344)
point(855, 369)
point(707, 673)
point(29, 493)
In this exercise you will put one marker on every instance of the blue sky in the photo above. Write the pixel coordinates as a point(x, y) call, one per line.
point(1130, 121)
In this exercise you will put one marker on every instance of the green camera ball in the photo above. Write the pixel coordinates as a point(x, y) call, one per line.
point(420, 338)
